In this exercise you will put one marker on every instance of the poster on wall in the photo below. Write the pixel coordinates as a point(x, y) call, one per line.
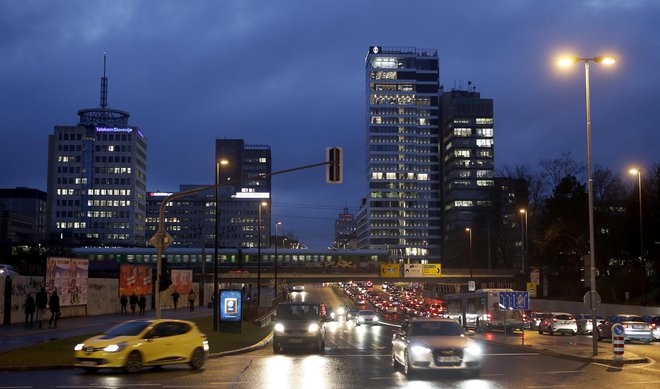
point(134, 278)
point(182, 280)
point(69, 277)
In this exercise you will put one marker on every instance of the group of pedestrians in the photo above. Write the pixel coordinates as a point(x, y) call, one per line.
point(192, 298)
point(135, 301)
point(39, 305)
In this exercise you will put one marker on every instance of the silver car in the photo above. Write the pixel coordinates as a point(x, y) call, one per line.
point(435, 344)
point(585, 324)
point(634, 328)
point(558, 323)
point(366, 317)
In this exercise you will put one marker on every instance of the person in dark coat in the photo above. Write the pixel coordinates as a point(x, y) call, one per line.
point(30, 307)
point(41, 302)
point(191, 300)
point(175, 298)
point(142, 304)
point(123, 300)
point(133, 301)
point(54, 305)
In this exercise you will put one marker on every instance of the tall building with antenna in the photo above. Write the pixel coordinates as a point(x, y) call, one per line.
point(97, 174)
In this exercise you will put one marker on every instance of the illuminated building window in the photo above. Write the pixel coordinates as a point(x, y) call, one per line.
point(485, 183)
point(462, 153)
point(485, 132)
point(462, 132)
point(484, 143)
point(484, 120)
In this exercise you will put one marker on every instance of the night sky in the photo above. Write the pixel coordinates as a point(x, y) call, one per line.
point(290, 74)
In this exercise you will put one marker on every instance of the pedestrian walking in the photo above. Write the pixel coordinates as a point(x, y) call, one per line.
point(123, 300)
point(142, 304)
point(191, 300)
point(30, 307)
point(41, 302)
point(175, 298)
point(133, 301)
point(54, 305)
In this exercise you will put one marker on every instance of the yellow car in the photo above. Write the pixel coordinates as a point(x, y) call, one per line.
point(135, 344)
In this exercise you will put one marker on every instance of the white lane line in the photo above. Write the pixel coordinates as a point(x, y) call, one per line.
point(512, 355)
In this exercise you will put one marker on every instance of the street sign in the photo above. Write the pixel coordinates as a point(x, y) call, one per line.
point(472, 286)
point(514, 300)
point(431, 270)
point(413, 270)
point(391, 270)
point(156, 239)
point(587, 299)
point(531, 288)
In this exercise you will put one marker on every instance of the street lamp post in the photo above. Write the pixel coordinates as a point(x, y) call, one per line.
point(469, 231)
point(523, 239)
point(216, 324)
point(638, 172)
point(277, 223)
point(261, 204)
point(592, 255)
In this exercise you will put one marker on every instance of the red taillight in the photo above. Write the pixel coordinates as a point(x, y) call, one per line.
point(554, 319)
point(488, 317)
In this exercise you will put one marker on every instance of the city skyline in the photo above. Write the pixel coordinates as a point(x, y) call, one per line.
point(284, 76)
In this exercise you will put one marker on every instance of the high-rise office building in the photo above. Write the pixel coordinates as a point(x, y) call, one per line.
point(402, 210)
point(468, 177)
point(345, 231)
point(22, 215)
point(97, 174)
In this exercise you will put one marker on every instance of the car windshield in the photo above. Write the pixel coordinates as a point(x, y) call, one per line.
point(436, 328)
point(564, 317)
point(298, 312)
point(366, 313)
point(631, 318)
point(130, 328)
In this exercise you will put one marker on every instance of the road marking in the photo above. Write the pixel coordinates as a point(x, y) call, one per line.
point(512, 354)
point(562, 372)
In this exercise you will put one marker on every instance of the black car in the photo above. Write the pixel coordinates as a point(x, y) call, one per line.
point(299, 325)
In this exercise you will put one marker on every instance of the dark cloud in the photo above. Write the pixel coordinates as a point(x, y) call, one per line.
point(290, 74)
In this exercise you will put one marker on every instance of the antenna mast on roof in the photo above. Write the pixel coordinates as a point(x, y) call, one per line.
point(104, 86)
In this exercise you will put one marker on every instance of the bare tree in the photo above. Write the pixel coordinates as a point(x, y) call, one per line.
point(558, 168)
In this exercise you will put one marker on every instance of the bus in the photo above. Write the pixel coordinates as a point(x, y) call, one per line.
point(481, 311)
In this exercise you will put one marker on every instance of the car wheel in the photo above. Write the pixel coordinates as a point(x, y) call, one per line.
point(198, 359)
point(408, 370)
point(133, 362)
point(474, 373)
point(579, 330)
point(89, 369)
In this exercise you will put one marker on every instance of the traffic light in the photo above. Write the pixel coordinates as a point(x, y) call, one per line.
point(165, 279)
point(334, 170)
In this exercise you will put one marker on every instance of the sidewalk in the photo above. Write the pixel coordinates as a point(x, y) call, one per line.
point(548, 345)
point(17, 336)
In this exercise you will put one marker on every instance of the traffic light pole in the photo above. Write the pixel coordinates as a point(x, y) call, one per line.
point(159, 239)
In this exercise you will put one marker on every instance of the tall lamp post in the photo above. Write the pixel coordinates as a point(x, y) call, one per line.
point(261, 204)
point(216, 324)
point(638, 172)
point(277, 223)
point(469, 231)
point(566, 61)
point(523, 240)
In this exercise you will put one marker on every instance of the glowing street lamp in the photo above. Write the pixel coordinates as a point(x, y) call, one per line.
point(638, 173)
point(605, 60)
point(261, 204)
point(222, 162)
point(523, 232)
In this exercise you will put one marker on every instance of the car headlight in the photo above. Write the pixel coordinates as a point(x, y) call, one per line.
point(313, 327)
point(473, 349)
point(375, 318)
point(279, 327)
point(420, 350)
point(113, 348)
point(341, 311)
point(360, 318)
point(79, 346)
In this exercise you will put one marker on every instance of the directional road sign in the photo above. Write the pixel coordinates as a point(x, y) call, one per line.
point(514, 300)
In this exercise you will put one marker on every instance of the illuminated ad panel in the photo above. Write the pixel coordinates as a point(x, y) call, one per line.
point(230, 305)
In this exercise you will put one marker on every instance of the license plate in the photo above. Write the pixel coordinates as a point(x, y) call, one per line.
point(449, 359)
point(88, 363)
point(295, 340)
point(638, 326)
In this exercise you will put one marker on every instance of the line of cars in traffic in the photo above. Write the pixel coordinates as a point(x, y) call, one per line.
point(636, 327)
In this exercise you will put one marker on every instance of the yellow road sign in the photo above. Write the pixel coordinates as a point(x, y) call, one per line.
point(390, 270)
point(431, 270)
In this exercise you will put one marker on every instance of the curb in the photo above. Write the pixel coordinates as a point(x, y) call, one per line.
point(596, 359)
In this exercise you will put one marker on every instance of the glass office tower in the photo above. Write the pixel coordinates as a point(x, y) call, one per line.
point(402, 211)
